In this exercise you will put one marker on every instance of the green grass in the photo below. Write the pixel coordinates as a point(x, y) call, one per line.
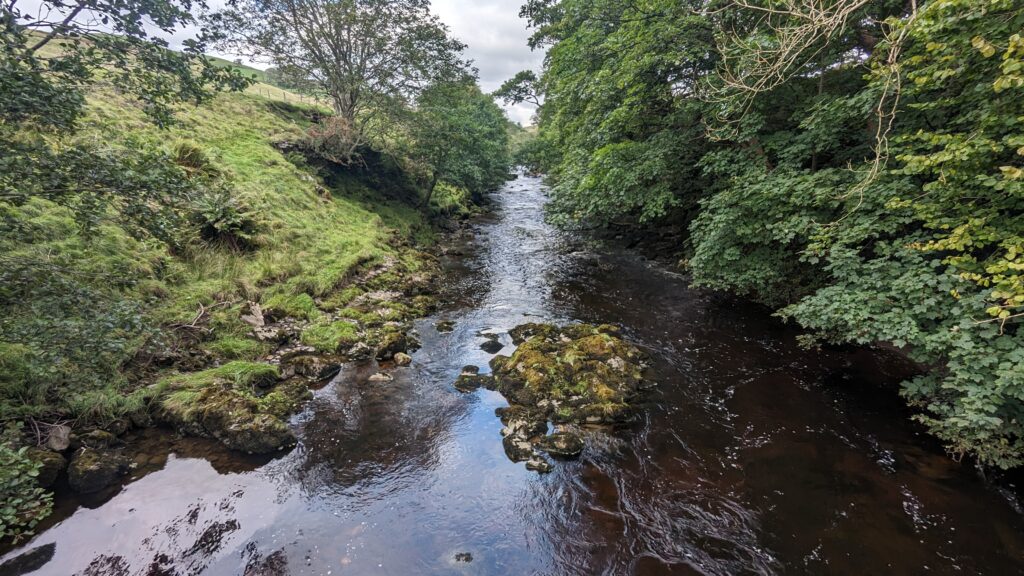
point(330, 336)
point(238, 374)
point(311, 244)
point(247, 71)
point(312, 240)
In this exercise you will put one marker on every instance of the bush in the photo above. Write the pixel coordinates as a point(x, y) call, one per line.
point(22, 502)
point(333, 139)
point(225, 220)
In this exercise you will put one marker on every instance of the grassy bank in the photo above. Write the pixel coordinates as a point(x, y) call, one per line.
point(160, 306)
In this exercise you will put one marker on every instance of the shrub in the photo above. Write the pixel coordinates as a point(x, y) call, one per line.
point(22, 502)
point(225, 220)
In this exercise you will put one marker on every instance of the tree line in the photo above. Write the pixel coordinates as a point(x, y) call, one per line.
point(858, 165)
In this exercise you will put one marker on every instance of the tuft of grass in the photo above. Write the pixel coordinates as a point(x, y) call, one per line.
point(237, 348)
point(330, 336)
point(238, 374)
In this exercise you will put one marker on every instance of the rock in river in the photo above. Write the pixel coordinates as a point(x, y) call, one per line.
point(93, 470)
point(562, 444)
point(576, 374)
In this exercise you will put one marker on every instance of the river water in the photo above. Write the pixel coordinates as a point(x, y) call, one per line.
point(752, 456)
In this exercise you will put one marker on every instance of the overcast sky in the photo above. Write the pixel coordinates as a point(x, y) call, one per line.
point(496, 37)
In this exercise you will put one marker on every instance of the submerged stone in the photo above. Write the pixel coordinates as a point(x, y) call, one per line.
point(492, 346)
point(93, 470)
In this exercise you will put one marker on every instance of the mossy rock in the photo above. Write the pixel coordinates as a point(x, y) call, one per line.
point(52, 464)
point(393, 342)
point(580, 373)
point(93, 470)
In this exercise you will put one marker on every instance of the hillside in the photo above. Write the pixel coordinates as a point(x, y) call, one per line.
point(309, 244)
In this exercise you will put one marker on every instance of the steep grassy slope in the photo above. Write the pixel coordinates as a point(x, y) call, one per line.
point(155, 304)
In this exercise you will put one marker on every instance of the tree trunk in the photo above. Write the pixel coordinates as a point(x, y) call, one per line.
point(425, 204)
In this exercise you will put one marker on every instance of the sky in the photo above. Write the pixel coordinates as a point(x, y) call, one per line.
point(496, 39)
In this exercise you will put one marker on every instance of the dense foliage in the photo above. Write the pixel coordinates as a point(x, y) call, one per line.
point(22, 502)
point(461, 137)
point(858, 167)
point(370, 57)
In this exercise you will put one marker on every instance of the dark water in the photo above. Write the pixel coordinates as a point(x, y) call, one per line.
point(753, 457)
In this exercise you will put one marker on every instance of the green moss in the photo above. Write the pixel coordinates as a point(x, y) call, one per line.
point(330, 336)
point(600, 371)
point(342, 298)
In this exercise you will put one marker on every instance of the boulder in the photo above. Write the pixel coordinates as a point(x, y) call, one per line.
point(392, 343)
point(518, 449)
point(255, 434)
point(97, 439)
point(402, 359)
point(92, 470)
point(492, 346)
point(59, 438)
point(540, 465)
point(313, 366)
point(360, 351)
point(52, 465)
point(562, 444)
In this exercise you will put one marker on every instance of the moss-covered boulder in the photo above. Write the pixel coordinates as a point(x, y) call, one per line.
point(51, 465)
point(233, 404)
point(578, 373)
point(568, 375)
point(392, 343)
point(92, 470)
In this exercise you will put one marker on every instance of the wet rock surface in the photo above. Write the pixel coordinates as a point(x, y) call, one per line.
point(52, 464)
point(92, 470)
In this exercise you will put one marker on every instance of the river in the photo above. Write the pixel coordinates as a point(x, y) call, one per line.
point(752, 455)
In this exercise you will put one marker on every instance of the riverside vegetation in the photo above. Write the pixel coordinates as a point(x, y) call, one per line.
point(176, 251)
point(854, 164)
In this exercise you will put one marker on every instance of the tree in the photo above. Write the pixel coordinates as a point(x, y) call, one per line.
point(520, 88)
point(460, 135)
point(291, 78)
point(855, 164)
point(59, 46)
point(370, 57)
